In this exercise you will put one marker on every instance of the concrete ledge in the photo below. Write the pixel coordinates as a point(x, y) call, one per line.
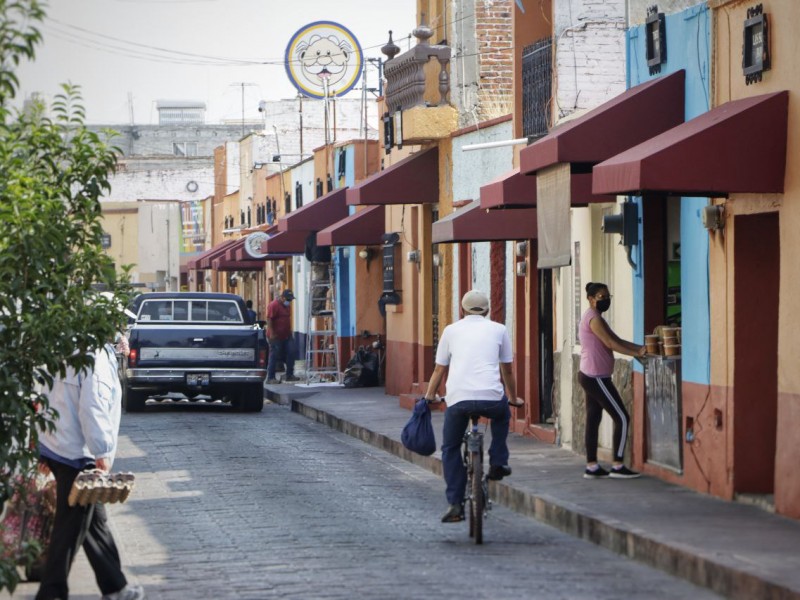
point(681, 561)
point(283, 394)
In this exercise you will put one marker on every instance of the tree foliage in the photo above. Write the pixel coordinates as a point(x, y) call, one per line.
point(53, 172)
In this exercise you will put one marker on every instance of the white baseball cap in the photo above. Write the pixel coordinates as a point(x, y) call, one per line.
point(475, 302)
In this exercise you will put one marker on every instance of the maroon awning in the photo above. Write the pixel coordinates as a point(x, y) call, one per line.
point(514, 189)
point(317, 214)
point(739, 147)
point(286, 242)
point(473, 223)
point(203, 261)
point(628, 119)
point(224, 264)
point(230, 252)
point(365, 226)
point(517, 190)
point(413, 180)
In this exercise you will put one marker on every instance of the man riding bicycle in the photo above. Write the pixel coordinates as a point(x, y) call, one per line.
point(476, 354)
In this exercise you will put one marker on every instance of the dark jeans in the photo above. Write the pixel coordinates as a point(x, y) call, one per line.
point(456, 421)
point(281, 350)
point(77, 526)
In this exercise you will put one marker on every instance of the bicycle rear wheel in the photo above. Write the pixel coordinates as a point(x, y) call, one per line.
point(478, 500)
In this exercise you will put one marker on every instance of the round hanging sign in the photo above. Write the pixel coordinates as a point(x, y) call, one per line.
point(323, 55)
point(252, 244)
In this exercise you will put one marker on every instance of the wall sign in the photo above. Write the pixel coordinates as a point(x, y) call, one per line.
point(755, 49)
point(252, 244)
point(323, 55)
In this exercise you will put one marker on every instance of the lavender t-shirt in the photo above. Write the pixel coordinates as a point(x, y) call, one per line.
point(597, 360)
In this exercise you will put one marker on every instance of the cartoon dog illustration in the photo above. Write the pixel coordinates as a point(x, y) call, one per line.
point(323, 57)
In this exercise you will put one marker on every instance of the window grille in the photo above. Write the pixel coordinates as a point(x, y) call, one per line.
point(537, 81)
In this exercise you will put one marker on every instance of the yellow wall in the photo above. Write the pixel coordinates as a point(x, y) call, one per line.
point(729, 84)
point(121, 221)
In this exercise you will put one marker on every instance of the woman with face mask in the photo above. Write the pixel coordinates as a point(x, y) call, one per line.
point(598, 344)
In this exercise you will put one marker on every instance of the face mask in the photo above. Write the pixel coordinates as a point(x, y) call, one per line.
point(286, 303)
point(603, 305)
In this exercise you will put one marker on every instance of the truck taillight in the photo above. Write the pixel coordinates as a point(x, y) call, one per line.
point(262, 357)
point(133, 357)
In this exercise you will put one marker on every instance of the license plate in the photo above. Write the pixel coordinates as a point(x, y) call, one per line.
point(198, 379)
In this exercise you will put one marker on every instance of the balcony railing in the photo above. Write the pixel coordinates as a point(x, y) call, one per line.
point(406, 80)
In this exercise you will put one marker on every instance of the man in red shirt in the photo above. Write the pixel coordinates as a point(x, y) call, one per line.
point(279, 334)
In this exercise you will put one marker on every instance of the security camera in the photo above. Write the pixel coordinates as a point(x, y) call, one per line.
point(262, 106)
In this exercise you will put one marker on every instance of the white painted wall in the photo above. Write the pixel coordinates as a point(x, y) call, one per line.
point(590, 53)
point(159, 243)
point(155, 182)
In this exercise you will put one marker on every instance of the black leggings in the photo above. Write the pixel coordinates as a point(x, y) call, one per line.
point(601, 394)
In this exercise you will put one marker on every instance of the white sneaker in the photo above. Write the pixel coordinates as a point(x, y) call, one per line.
point(129, 592)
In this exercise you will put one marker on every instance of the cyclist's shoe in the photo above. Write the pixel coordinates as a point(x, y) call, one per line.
point(623, 472)
point(597, 473)
point(497, 472)
point(454, 514)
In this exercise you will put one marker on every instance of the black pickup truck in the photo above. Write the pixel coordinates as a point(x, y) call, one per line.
point(196, 344)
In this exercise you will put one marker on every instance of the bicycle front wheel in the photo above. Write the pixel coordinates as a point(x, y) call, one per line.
point(478, 499)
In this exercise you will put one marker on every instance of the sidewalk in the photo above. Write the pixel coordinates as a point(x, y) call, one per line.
point(736, 550)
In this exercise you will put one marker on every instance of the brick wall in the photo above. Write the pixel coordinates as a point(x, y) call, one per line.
point(493, 33)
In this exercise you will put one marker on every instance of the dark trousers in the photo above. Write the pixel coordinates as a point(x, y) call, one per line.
point(602, 395)
point(281, 350)
point(73, 527)
point(456, 421)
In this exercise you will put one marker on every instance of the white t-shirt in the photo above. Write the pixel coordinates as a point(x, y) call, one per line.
point(473, 348)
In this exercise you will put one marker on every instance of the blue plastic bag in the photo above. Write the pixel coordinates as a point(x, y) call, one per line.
point(418, 434)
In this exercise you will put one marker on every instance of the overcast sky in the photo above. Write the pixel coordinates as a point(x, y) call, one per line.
point(191, 50)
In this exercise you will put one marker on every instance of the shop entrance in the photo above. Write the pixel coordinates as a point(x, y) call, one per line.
point(755, 379)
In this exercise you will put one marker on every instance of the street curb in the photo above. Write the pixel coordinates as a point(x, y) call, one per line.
point(613, 535)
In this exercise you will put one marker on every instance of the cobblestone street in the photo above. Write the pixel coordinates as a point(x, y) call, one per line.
point(273, 505)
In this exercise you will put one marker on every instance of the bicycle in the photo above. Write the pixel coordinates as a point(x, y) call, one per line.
point(477, 492)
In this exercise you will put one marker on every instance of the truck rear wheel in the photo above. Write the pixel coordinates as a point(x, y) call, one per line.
point(133, 400)
point(249, 398)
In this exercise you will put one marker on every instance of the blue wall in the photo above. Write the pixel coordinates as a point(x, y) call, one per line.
point(345, 265)
point(688, 48)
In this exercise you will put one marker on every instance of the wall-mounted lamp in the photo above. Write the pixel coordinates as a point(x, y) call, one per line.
point(755, 49)
point(208, 278)
point(365, 254)
point(437, 260)
point(522, 269)
point(713, 217)
point(521, 249)
point(655, 46)
point(626, 223)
